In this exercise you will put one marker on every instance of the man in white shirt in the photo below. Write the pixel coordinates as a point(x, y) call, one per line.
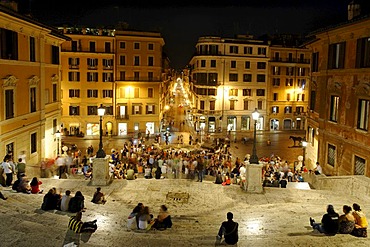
point(61, 163)
point(65, 201)
point(7, 170)
point(243, 172)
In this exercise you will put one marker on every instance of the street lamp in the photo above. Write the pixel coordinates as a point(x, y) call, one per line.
point(304, 145)
point(57, 135)
point(101, 112)
point(254, 158)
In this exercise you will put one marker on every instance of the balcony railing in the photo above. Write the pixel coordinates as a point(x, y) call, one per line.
point(290, 60)
point(86, 50)
point(207, 112)
point(122, 117)
point(146, 79)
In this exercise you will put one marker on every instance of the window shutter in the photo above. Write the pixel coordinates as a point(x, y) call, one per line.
point(153, 109)
point(342, 53)
point(331, 54)
point(359, 53)
point(146, 109)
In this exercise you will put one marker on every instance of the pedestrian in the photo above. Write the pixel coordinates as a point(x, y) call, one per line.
point(228, 229)
point(7, 170)
point(21, 168)
point(61, 163)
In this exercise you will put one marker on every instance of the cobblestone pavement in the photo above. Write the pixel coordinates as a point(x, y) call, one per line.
point(278, 217)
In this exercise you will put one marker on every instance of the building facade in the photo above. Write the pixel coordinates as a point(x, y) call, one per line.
point(338, 117)
point(121, 70)
point(287, 89)
point(30, 88)
point(228, 81)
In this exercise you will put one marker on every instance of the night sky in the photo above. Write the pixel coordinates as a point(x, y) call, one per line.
point(181, 24)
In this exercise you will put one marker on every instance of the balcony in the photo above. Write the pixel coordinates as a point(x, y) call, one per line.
point(290, 60)
point(144, 79)
point(122, 117)
point(207, 112)
point(300, 113)
point(86, 50)
point(74, 66)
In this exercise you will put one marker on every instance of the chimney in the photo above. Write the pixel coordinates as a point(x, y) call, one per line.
point(354, 10)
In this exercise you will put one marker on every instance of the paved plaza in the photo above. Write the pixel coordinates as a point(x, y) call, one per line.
point(278, 217)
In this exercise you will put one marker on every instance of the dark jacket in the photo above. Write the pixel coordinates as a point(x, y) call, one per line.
point(50, 201)
point(76, 204)
point(230, 231)
point(330, 223)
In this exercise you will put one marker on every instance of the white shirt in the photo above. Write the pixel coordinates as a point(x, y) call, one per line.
point(65, 202)
point(60, 161)
point(7, 168)
point(319, 169)
point(243, 171)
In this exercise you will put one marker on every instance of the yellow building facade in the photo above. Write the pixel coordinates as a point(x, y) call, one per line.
point(118, 69)
point(228, 81)
point(287, 90)
point(339, 107)
point(30, 88)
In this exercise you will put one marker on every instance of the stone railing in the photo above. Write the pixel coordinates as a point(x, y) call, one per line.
point(348, 185)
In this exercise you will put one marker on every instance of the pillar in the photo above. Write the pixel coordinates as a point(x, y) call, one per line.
point(101, 176)
point(254, 178)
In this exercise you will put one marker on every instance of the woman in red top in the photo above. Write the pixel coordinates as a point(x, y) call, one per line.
point(35, 186)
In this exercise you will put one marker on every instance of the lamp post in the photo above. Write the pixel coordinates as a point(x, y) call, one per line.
point(304, 145)
point(57, 135)
point(101, 112)
point(254, 158)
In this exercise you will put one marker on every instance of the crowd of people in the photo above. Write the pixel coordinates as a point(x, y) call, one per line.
point(16, 178)
point(350, 222)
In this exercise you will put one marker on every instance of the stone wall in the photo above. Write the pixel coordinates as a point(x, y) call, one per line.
point(348, 185)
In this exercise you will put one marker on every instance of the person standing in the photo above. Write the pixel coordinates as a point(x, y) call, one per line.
point(200, 169)
point(7, 170)
point(61, 163)
point(21, 167)
point(229, 229)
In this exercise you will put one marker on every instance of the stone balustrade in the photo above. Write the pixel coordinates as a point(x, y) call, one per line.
point(348, 185)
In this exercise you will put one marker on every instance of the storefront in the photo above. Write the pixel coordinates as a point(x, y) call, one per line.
point(211, 124)
point(231, 123)
point(122, 129)
point(109, 128)
point(287, 124)
point(274, 124)
point(260, 123)
point(245, 123)
point(149, 127)
point(92, 129)
point(202, 122)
